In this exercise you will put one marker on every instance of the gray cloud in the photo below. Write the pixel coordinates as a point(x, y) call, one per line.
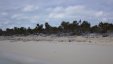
point(28, 12)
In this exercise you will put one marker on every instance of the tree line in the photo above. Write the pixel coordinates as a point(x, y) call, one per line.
point(73, 28)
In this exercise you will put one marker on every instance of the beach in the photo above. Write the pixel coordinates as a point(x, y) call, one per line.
point(53, 49)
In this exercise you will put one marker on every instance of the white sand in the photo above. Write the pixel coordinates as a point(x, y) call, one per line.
point(56, 50)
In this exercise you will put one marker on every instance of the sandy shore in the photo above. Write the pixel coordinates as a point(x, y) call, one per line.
point(88, 39)
point(56, 50)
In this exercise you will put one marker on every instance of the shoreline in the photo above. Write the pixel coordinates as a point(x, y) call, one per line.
point(52, 49)
point(87, 39)
point(54, 52)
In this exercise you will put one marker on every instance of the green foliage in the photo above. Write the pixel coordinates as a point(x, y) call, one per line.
point(74, 28)
point(85, 26)
point(95, 29)
point(38, 29)
point(1, 32)
point(105, 27)
point(29, 30)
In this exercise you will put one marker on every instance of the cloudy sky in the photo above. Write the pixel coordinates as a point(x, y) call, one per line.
point(29, 12)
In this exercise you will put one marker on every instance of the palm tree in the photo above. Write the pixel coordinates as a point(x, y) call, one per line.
point(47, 28)
point(38, 29)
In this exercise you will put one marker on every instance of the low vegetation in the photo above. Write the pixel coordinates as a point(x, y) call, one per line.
point(74, 28)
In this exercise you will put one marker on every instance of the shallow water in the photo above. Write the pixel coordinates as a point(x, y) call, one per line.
point(54, 53)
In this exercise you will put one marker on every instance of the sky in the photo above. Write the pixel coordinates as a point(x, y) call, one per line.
point(28, 13)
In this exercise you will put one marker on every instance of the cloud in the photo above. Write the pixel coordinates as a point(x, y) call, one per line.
point(61, 12)
point(23, 17)
point(4, 13)
point(16, 16)
point(27, 12)
point(75, 11)
point(29, 8)
point(99, 13)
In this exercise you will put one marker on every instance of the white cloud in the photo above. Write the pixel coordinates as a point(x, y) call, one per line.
point(77, 11)
point(16, 16)
point(20, 17)
point(100, 13)
point(29, 8)
point(43, 10)
point(56, 15)
point(61, 12)
point(57, 12)
point(73, 9)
